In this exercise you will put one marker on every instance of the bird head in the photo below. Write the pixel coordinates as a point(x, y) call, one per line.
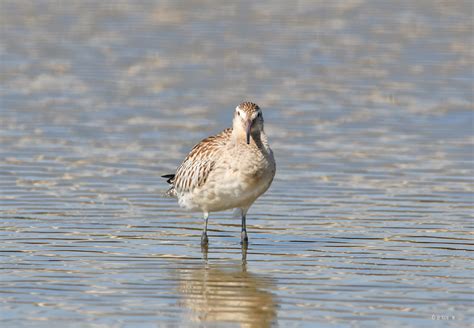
point(248, 120)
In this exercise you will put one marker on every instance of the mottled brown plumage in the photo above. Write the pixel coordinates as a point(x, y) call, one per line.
point(228, 170)
point(249, 107)
point(194, 170)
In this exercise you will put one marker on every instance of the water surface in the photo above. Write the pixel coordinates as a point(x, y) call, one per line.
point(368, 107)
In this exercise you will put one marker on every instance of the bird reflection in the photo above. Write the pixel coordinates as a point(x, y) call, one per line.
point(228, 293)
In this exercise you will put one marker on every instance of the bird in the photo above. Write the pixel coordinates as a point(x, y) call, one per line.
point(229, 170)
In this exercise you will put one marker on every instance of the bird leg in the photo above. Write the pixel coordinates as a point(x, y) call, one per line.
point(243, 236)
point(204, 239)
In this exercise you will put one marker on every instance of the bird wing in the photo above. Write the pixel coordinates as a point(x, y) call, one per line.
point(170, 178)
point(195, 169)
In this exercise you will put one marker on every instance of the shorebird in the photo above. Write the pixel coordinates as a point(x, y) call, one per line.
point(228, 170)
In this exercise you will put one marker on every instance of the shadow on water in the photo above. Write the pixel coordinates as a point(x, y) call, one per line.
point(228, 293)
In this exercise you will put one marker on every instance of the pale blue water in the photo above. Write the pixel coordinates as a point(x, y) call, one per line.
point(368, 106)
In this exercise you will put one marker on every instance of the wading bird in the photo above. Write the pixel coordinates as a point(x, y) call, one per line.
point(228, 170)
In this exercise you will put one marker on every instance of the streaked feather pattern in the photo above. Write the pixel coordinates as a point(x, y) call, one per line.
point(195, 168)
point(228, 170)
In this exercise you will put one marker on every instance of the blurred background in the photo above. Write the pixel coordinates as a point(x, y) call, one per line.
point(368, 106)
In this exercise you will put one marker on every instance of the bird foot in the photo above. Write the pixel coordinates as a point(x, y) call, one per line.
point(204, 239)
point(244, 239)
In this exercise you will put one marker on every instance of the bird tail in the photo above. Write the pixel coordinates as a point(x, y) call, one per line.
point(170, 178)
point(171, 192)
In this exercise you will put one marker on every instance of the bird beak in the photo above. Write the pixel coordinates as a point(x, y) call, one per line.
point(248, 128)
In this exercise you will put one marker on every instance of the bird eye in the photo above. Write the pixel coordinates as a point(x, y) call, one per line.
point(238, 112)
point(259, 114)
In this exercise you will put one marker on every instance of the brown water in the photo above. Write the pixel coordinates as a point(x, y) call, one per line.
point(368, 106)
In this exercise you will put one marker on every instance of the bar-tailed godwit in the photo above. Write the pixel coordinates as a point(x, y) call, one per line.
point(228, 170)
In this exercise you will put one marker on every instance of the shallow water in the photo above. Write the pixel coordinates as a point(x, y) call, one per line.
point(368, 107)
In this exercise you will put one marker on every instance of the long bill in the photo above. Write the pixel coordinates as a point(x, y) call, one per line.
point(247, 130)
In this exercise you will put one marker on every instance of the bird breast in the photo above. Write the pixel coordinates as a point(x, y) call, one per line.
point(246, 175)
point(238, 177)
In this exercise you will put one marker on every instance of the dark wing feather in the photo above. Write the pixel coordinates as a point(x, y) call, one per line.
point(170, 178)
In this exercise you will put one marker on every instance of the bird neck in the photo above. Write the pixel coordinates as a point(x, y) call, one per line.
point(257, 138)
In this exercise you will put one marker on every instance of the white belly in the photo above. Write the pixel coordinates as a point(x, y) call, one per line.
point(228, 187)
